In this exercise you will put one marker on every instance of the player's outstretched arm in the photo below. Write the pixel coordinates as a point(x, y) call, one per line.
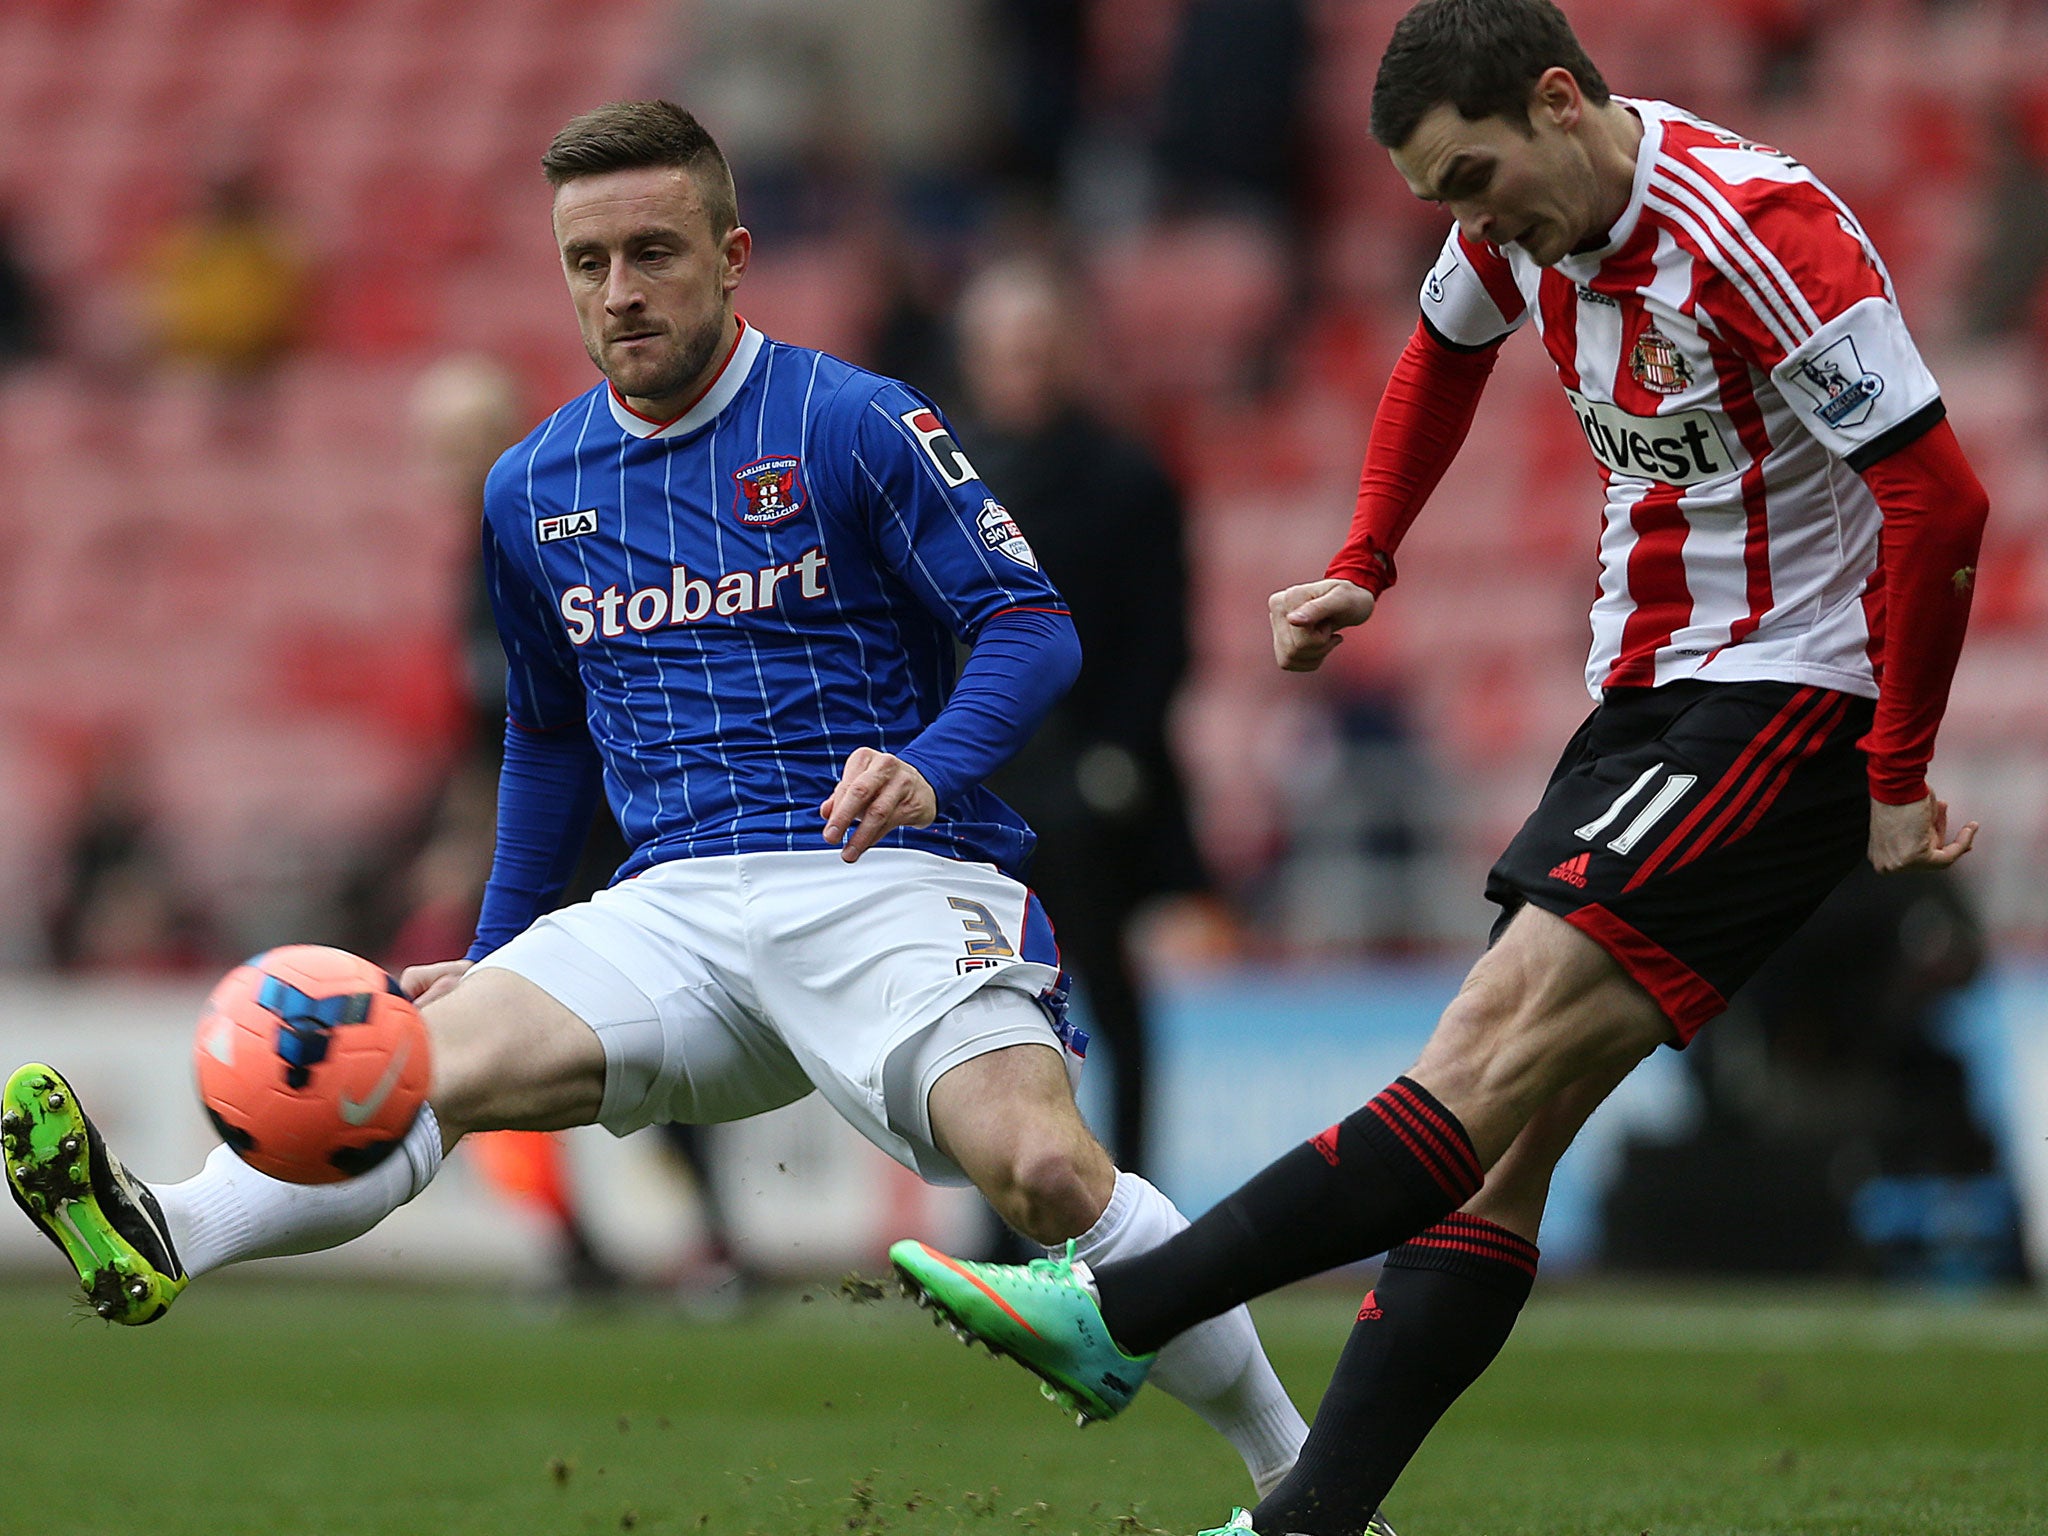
point(877, 793)
point(1309, 620)
point(1915, 836)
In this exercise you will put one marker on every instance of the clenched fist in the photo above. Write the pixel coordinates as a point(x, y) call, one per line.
point(1308, 620)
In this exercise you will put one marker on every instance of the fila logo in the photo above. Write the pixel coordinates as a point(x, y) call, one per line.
point(938, 445)
point(1573, 870)
point(566, 525)
point(1683, 448)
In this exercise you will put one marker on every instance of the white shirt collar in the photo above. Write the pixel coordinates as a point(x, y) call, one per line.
point(716, 397)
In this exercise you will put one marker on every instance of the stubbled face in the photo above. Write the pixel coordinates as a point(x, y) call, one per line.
point(652, 285)
point(1538, 190)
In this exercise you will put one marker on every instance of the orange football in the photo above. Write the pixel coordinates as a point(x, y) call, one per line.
point(312, 1064)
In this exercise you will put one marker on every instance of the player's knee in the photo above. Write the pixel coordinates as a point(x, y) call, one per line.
point(1052, 1192)
point(1052, 1201)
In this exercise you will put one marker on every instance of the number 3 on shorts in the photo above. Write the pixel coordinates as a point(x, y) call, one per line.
point(979, 920)
point(1668, 794)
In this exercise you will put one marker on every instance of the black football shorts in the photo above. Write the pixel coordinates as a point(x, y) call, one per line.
point(1689, 829)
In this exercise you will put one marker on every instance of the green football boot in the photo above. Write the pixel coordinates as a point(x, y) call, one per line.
point(1043, 1315)
point(104, 1220)
point(1240, 1523)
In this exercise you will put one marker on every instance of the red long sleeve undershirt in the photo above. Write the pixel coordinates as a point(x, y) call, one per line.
point(1934, 511)
point(1933, 508)
point(1421, 423)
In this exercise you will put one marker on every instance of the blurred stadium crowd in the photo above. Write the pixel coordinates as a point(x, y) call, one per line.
point(239, 234)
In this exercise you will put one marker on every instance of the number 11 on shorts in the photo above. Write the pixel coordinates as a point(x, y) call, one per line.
point(1668, 794)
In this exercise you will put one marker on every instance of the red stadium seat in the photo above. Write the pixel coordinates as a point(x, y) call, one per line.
point(822, 295)
point(1187, 308)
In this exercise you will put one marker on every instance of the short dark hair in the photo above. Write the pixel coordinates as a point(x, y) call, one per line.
point(1482, 56)
point(633, 135)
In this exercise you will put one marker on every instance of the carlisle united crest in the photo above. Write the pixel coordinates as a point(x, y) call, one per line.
point(768, 493)
point(1656, 363)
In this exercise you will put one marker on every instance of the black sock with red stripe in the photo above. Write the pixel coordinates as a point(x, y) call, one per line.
point(1377, 1177)
point(1443, 1308)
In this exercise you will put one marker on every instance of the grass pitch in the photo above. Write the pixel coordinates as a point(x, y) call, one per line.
point(277, 1408)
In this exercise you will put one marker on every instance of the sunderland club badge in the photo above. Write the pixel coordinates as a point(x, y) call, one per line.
point(1656, 363)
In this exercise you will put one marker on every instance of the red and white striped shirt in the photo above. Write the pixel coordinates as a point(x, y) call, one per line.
point(1735, 355)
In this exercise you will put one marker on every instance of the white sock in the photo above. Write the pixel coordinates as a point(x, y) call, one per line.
point(228, 1212)
point(1218, 1368)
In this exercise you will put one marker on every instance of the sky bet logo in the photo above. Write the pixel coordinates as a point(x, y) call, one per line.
point(686, 599)
point(1680, 449)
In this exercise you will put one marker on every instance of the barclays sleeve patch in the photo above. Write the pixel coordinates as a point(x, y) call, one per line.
point(1856, 377)
point(1838, 388)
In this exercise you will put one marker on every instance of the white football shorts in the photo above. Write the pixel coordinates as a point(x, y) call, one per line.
point(724, 987)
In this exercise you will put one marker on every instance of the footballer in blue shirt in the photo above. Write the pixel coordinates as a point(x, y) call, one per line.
point(732, 580)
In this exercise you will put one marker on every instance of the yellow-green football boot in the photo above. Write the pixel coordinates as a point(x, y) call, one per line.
point(1043, 1315)
point(104, 1220)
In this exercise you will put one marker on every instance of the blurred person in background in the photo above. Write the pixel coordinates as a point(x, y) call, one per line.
point(24, 313)
point(465, 413)
point(1232, 134)
point(224, 289)
point(817, 97)
point(1098, 782)
point(1042, 54)
point(121, 908)
point(1769, 675)
point(1783, 37)
point(2007, 294)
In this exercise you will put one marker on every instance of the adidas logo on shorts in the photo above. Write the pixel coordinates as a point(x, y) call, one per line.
point(1573, 870)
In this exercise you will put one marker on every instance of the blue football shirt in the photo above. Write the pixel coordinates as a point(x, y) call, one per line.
point(733, 601)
